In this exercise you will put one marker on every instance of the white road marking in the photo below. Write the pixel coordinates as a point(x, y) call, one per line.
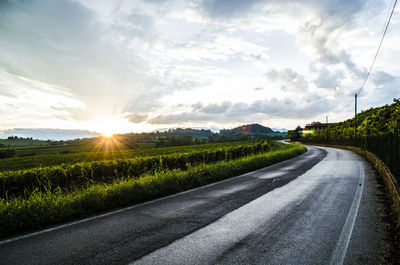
point(210, 241)
point(342, 244)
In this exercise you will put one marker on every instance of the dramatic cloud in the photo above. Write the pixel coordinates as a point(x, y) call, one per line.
point(322, 36)
point(139, 65)
point(258, 111)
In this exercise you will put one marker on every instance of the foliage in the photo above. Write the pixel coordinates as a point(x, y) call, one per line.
point(73, 176)
point(383, 120)
point(294, 135)
point(17, 163)
point(7, 153)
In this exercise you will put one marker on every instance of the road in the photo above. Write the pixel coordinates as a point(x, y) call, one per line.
point(323, 207)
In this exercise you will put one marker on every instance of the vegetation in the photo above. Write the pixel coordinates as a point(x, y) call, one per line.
point(381, 121)
point(62, 156)
point(26, 147)
point(6, 153)
point(38, 197)
point(72, 176)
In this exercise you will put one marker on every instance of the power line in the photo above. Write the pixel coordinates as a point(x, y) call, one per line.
point(379, 47)
point(376, 55)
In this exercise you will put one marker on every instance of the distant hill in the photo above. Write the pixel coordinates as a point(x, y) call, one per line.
point(185, 132)
point(250, 129)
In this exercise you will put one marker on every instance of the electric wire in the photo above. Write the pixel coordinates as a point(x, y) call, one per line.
point(376, 54)
point(379, 47)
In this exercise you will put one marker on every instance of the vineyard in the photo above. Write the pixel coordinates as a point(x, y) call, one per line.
point(36, 197)
point(25, 162)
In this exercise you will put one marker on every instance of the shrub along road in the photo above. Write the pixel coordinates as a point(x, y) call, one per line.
point(319, 208)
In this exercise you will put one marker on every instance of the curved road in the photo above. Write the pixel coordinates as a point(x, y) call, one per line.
point(323, 207)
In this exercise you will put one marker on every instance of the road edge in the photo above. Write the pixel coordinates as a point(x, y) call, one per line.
point(391, 184)
point(75, 221)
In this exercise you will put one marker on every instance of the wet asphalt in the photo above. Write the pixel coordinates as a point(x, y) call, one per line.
point(323, 207)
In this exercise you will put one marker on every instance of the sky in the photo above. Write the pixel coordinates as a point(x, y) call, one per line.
point(141, 65)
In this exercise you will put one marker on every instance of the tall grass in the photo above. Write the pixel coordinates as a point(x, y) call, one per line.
point(41, 209)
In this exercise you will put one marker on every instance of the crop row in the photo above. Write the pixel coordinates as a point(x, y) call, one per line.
point(18, 163)
point(48, 208)
point(70, 177)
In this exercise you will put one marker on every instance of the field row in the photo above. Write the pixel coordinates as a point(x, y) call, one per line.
point(67, 178)
point(17, 163)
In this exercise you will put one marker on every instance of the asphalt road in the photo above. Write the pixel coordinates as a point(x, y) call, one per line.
point(323, 207)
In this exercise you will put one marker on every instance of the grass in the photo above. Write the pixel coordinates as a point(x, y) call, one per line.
point(52, 206)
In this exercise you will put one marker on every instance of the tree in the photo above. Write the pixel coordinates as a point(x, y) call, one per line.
point(295, 135)
point(394, 123)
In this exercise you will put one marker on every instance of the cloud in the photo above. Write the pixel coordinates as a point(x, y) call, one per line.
point(382, 77)
point(235, 8)
point(288, 78)
point(139, 60)
point(34, 102)
point(322, 36)
point(66, 43)
point(383, 84)
point(212, 108)
point(227, 8)
point(330, 80)
point(256, 111)
point(135, 117)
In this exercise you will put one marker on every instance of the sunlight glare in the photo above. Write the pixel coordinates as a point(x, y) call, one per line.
point(110, 126)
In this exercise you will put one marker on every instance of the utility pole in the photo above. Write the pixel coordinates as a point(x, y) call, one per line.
point(355, 117)
point(327, 129)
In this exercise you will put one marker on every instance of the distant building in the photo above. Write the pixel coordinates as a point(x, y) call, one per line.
point(317, 126)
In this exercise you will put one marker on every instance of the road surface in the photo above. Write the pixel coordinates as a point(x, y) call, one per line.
point(323, 207)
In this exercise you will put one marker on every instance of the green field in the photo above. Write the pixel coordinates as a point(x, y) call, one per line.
point(25, 162)
point(37, 197)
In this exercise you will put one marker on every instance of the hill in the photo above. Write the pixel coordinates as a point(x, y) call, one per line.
point(383, 120)
point(249, 129)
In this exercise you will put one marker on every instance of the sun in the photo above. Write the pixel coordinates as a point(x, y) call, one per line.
point(107, 134)
point(109, 126)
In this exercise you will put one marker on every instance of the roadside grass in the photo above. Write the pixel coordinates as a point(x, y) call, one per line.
point(44, 208)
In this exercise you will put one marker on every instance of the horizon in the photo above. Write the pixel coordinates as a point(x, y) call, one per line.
point(72, 134)
point(136, 66)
